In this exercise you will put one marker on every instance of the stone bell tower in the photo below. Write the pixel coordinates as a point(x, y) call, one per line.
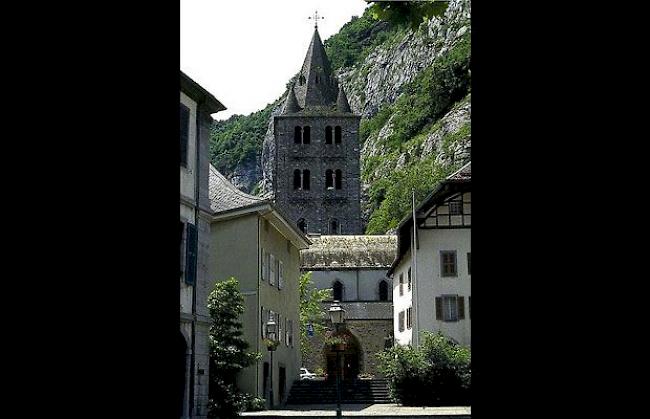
point(316, 180)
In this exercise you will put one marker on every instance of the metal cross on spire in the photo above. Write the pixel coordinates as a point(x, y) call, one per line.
point(316, 18)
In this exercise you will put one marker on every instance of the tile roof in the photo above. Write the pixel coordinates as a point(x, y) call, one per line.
point(464, 173)
point(225, 196)
point(333, 252)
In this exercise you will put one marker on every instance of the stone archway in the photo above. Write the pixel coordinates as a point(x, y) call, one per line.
point(351, 358)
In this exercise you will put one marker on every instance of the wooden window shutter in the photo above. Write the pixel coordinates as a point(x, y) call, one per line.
point(280, 274)
point(461, 307)
point(185, 133)
point(263, 253)
point(438, 308)
point(190, 254)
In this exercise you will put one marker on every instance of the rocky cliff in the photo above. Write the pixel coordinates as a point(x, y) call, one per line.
point(413, 88)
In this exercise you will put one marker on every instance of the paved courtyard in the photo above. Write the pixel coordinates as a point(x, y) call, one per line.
point(365, 410)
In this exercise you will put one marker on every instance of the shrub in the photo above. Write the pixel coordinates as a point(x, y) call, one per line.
point(436, 374)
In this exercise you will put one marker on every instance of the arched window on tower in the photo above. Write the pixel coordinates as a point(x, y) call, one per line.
point(305, 179)
point(306, 135)
point(302, 225)
point(383, 290)
point(329, 179)
point(296, 179)
point(301, 80)
point(328, 135)
point(335, 227)
point(339, 177)
point(297, 135)
point(338, 291)
point(337, 135)
point(317, 79)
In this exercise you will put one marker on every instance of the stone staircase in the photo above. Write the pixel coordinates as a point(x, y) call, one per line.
point(324, 392)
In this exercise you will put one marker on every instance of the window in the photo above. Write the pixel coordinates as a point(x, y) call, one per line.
point(338, 178)
point(401, 284)
point(297, 135)
point(185, 133)
point(262, 323)
point(306, 135)
point(448, 263)
point(335, 226)
point(302, 225)
point(409, 317)
point(456, 208)
point(337, 135)
point(296, 180)
point(329, 179)
point(272, 272)
point(280, 275)
point(301, 81)
point(328, 135)
point(400, 321)
point(338, 291)
point(383, 290)
point(182, 248)
point(191, 248)
point(278, 322)
point(469, 263)
point(291, 333)
point(409, 279)
point(317, 79)
point(450, 308)
point(305, 179)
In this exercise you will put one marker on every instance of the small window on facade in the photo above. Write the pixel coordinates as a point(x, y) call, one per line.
point(409, 279)
point(448, 263)
point(306, 135)
point(297, 135)
point(401, 284)
point(400, 321)
point(383, 290)
point(302, 225)
point(338, 291)
point(185, 133)
point(469, 263)
point(328, 135)
point(305, 179)
point(450, 308)
point(455, 208)
point(296, 179)
point(338, 179)
point(409, 317)
point(334, 226)
point(329, 179)
point(337, 135)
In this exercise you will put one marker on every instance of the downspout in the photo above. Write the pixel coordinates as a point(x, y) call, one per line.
point(259, 302)
point(196, 279)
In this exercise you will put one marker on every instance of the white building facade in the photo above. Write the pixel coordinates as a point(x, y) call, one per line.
point(432, 284)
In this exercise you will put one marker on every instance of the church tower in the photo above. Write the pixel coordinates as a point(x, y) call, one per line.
point(316, 182)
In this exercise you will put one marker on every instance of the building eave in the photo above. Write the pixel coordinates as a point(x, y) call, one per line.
point(200, 95)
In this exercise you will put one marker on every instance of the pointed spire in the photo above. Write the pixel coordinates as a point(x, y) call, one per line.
point(291, 104)
point(342, 104)
point(316, 88)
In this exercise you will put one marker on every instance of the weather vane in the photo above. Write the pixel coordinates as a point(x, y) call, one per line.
point(316, 17)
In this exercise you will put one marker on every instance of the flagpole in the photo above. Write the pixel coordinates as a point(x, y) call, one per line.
point(414, 304)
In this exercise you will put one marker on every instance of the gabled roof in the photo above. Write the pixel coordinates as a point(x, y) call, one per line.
point(224, 196)
point(342, 251)
point(460, 179)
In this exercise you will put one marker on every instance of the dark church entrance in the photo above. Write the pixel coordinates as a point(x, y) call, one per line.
point(351, 359)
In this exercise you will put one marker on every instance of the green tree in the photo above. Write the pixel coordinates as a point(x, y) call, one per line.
point(311, 309)
point(436, 374)
point(228, 350)
point(408, 12)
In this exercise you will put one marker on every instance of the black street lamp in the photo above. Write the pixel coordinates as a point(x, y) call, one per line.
point(271, 333)
point(337, 317)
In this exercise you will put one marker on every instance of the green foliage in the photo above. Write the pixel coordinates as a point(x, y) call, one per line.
point(408, 12)
point(436, 374)
point(310, 309)
point(239, 139)
point(396, 193)
point(228, 350)
point(356, 39)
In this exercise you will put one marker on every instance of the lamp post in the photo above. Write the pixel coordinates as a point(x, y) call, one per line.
point(270, 332)
point(337, 317)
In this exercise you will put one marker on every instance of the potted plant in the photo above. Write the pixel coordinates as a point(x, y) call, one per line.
point(336, 342)
point(271, 344)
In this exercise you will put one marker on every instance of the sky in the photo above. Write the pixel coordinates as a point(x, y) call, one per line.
point(245, 51)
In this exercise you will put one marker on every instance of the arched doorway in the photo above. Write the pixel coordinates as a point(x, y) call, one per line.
point(351, 358)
